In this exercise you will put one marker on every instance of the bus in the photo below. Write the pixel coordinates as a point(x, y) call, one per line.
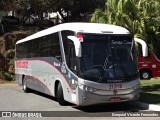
point(81, 63)
point(149, 66)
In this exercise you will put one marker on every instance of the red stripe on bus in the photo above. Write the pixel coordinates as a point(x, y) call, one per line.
point(55, 68)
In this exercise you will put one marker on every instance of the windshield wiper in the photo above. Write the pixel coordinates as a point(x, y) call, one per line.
point(131, 49)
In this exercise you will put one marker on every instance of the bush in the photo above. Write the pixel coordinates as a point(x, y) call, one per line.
point(9, 76)
point(1, 74)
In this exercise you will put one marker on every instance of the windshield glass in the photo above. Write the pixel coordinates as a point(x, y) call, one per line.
point(108, 57)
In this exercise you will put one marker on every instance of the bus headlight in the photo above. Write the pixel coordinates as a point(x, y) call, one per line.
point(87, 88)
point(135, 87)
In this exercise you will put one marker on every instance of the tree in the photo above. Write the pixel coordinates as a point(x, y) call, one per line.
point(7, 5)
point(140, 17)
point(70, 10)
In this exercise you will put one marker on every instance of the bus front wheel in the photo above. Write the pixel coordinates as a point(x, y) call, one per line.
point(60, 96)
point(25, 88)
point(145, 74)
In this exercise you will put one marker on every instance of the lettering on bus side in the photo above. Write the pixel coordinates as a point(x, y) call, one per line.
point(22, 64)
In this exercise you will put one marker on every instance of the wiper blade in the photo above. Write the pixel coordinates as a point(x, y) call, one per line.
point(131, 49)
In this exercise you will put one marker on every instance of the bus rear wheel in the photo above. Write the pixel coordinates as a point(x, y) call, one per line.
point(145, 75)
point(24, 84)
point(60, 96)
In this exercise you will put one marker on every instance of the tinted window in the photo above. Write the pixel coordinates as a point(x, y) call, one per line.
point(47, 46)
point(69, 50)
point(66, 43)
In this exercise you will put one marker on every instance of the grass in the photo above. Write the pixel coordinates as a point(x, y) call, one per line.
point(150, 91)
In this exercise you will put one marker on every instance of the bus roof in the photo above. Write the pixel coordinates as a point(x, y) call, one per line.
point(96, 28)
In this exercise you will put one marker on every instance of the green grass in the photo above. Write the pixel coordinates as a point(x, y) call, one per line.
point(150, 91)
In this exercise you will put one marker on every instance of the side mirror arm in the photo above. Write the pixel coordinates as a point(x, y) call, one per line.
point(77, 45)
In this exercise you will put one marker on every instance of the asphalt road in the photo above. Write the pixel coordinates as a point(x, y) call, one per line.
point(12, 98)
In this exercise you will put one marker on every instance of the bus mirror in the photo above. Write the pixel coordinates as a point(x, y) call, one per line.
point(77, 45)
point(144, 46)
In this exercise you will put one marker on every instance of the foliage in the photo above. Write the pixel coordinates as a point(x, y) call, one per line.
point(70, 10)
point(141, 18)
point(2, 13)
point(10, 40)
point(75, 9)
point(1, 74)
point(8, 5)
point(10, 54)
point(11, 62)
point(9, 76)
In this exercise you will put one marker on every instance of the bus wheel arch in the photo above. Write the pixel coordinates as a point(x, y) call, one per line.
point(145, 74)
point(56, 87)
point(59, 93)
point(24, 85)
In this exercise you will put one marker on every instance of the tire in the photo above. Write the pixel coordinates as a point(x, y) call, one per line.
point(145, 75)
point(60, 96)
point(24, 85)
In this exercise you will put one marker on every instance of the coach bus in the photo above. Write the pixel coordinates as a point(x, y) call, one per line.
point(81, 63)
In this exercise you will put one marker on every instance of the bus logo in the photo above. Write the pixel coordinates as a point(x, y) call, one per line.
point(115, 92)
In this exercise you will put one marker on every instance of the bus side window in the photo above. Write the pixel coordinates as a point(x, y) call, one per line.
point(54, 46)
point(69, 50)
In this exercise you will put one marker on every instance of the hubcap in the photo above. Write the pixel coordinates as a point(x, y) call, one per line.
point(145, 75)
point(24, 86)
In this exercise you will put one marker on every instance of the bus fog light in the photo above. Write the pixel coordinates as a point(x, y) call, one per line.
point(85, 99)
point(135, 87)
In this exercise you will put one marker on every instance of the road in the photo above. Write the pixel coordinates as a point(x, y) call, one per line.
point(12, 98)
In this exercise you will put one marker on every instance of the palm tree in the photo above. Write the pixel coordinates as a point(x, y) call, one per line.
point(140, 17)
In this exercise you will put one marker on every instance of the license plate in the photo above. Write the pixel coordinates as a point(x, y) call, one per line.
point(115, 99)
point(115, 86)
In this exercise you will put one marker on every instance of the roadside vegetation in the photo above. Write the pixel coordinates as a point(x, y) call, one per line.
point(7, 49)
point(140, 17)
point(150, 91)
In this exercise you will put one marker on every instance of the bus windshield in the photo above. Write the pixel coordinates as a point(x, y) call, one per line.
point(108, 57)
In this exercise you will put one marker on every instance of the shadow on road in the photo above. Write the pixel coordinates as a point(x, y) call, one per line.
point(49, 97)
point(110, 107)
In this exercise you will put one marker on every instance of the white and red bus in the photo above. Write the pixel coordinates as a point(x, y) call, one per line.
point(82, 63)
point(149, 66)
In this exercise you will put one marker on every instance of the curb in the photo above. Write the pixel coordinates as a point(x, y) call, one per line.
point(149, 106)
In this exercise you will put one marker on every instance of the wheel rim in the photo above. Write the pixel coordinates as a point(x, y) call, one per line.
point(24, 86)
point(145, 75)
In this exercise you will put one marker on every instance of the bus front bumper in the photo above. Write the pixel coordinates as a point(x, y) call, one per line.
point(87, 98)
